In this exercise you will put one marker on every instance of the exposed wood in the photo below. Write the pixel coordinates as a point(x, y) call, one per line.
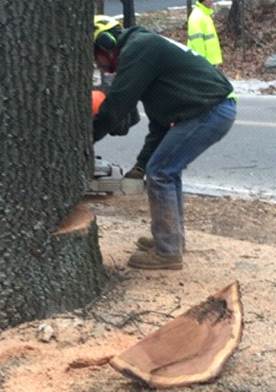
point(190, 349)
point(79, 219)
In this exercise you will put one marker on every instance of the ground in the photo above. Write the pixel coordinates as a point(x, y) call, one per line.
point(227, 239)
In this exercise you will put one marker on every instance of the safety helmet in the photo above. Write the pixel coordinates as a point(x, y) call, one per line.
point(104, 23)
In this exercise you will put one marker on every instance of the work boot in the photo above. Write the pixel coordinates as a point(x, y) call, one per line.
point(152, 261)
point(147, 243)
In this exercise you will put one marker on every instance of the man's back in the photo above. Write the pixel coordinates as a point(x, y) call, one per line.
point(181, 83)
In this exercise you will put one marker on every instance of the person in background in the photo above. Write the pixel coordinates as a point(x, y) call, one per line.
point(202, 34)
point(190, 106)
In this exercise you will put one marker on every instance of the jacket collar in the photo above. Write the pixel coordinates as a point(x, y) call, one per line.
point(206, 10)
point(127, 33)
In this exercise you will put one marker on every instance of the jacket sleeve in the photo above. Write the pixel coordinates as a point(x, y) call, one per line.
point(196, 34)
point(129, 121)
point(136, 71)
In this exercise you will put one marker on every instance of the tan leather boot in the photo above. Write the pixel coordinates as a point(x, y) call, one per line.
point(146, 243)
point(153, 261)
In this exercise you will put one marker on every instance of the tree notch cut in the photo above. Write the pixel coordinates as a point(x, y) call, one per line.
point(79, 219)
point(192, 348)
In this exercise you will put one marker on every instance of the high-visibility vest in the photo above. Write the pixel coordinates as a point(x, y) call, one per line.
point(202, 35)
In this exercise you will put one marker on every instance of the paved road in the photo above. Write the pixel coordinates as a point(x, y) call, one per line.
point(114, 7)
point(243, 163)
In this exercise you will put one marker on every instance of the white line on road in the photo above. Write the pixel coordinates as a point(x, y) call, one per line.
point(256, 123)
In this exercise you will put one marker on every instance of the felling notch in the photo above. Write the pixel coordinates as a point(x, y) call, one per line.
point(190, 349)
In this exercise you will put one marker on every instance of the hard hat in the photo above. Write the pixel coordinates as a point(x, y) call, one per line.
point(103, 23)
point(97, 98)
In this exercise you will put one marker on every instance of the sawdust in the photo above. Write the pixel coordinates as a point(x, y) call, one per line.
point(226, 240)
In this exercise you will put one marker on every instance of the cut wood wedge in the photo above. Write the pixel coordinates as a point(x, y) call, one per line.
point(190, 349)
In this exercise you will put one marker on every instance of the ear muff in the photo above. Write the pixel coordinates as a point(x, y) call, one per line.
point(106, 40)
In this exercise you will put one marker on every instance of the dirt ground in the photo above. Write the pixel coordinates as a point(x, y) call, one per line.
point(227, 240)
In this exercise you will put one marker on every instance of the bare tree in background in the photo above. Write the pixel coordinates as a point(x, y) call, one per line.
point(99, 7)
point(189, 7)
point(129, 13)
point(235, 21)
point(241, 20)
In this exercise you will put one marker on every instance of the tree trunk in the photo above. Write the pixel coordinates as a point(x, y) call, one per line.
point(238, 8)
point(46, 157)
point(99, 4)
point(189, 8)
point(235, 17)
point(129, 13)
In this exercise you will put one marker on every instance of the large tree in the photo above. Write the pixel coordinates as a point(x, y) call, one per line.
point(46, 158)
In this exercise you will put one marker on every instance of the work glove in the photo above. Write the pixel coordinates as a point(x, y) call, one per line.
point(123, 127)
point(137, 173)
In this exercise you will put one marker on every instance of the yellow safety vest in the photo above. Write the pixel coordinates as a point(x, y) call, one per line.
point(202, 35)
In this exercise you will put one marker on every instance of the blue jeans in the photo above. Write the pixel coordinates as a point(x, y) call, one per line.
point(185, 141)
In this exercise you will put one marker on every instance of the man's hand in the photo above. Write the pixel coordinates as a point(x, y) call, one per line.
point(136, 173)
point(131, 119)
point(121, 129)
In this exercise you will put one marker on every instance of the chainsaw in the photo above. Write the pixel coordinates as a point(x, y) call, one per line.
point(109, 178)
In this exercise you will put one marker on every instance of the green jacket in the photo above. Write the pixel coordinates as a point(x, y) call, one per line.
point(202, 35)
point(173, 82)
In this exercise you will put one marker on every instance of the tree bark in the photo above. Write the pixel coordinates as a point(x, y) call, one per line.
point(99, 5)
point(189, 8)
point(129, 13)
point(235, 17)
point(46, 158)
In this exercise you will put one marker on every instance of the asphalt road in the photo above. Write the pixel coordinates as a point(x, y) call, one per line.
point(243, 163)
point(114, 7)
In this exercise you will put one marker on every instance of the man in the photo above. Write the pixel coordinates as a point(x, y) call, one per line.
point(203, 38)
point(190, 106)
point(202, 35)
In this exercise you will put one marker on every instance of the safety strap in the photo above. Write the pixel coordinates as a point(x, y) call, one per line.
point(205, 37)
